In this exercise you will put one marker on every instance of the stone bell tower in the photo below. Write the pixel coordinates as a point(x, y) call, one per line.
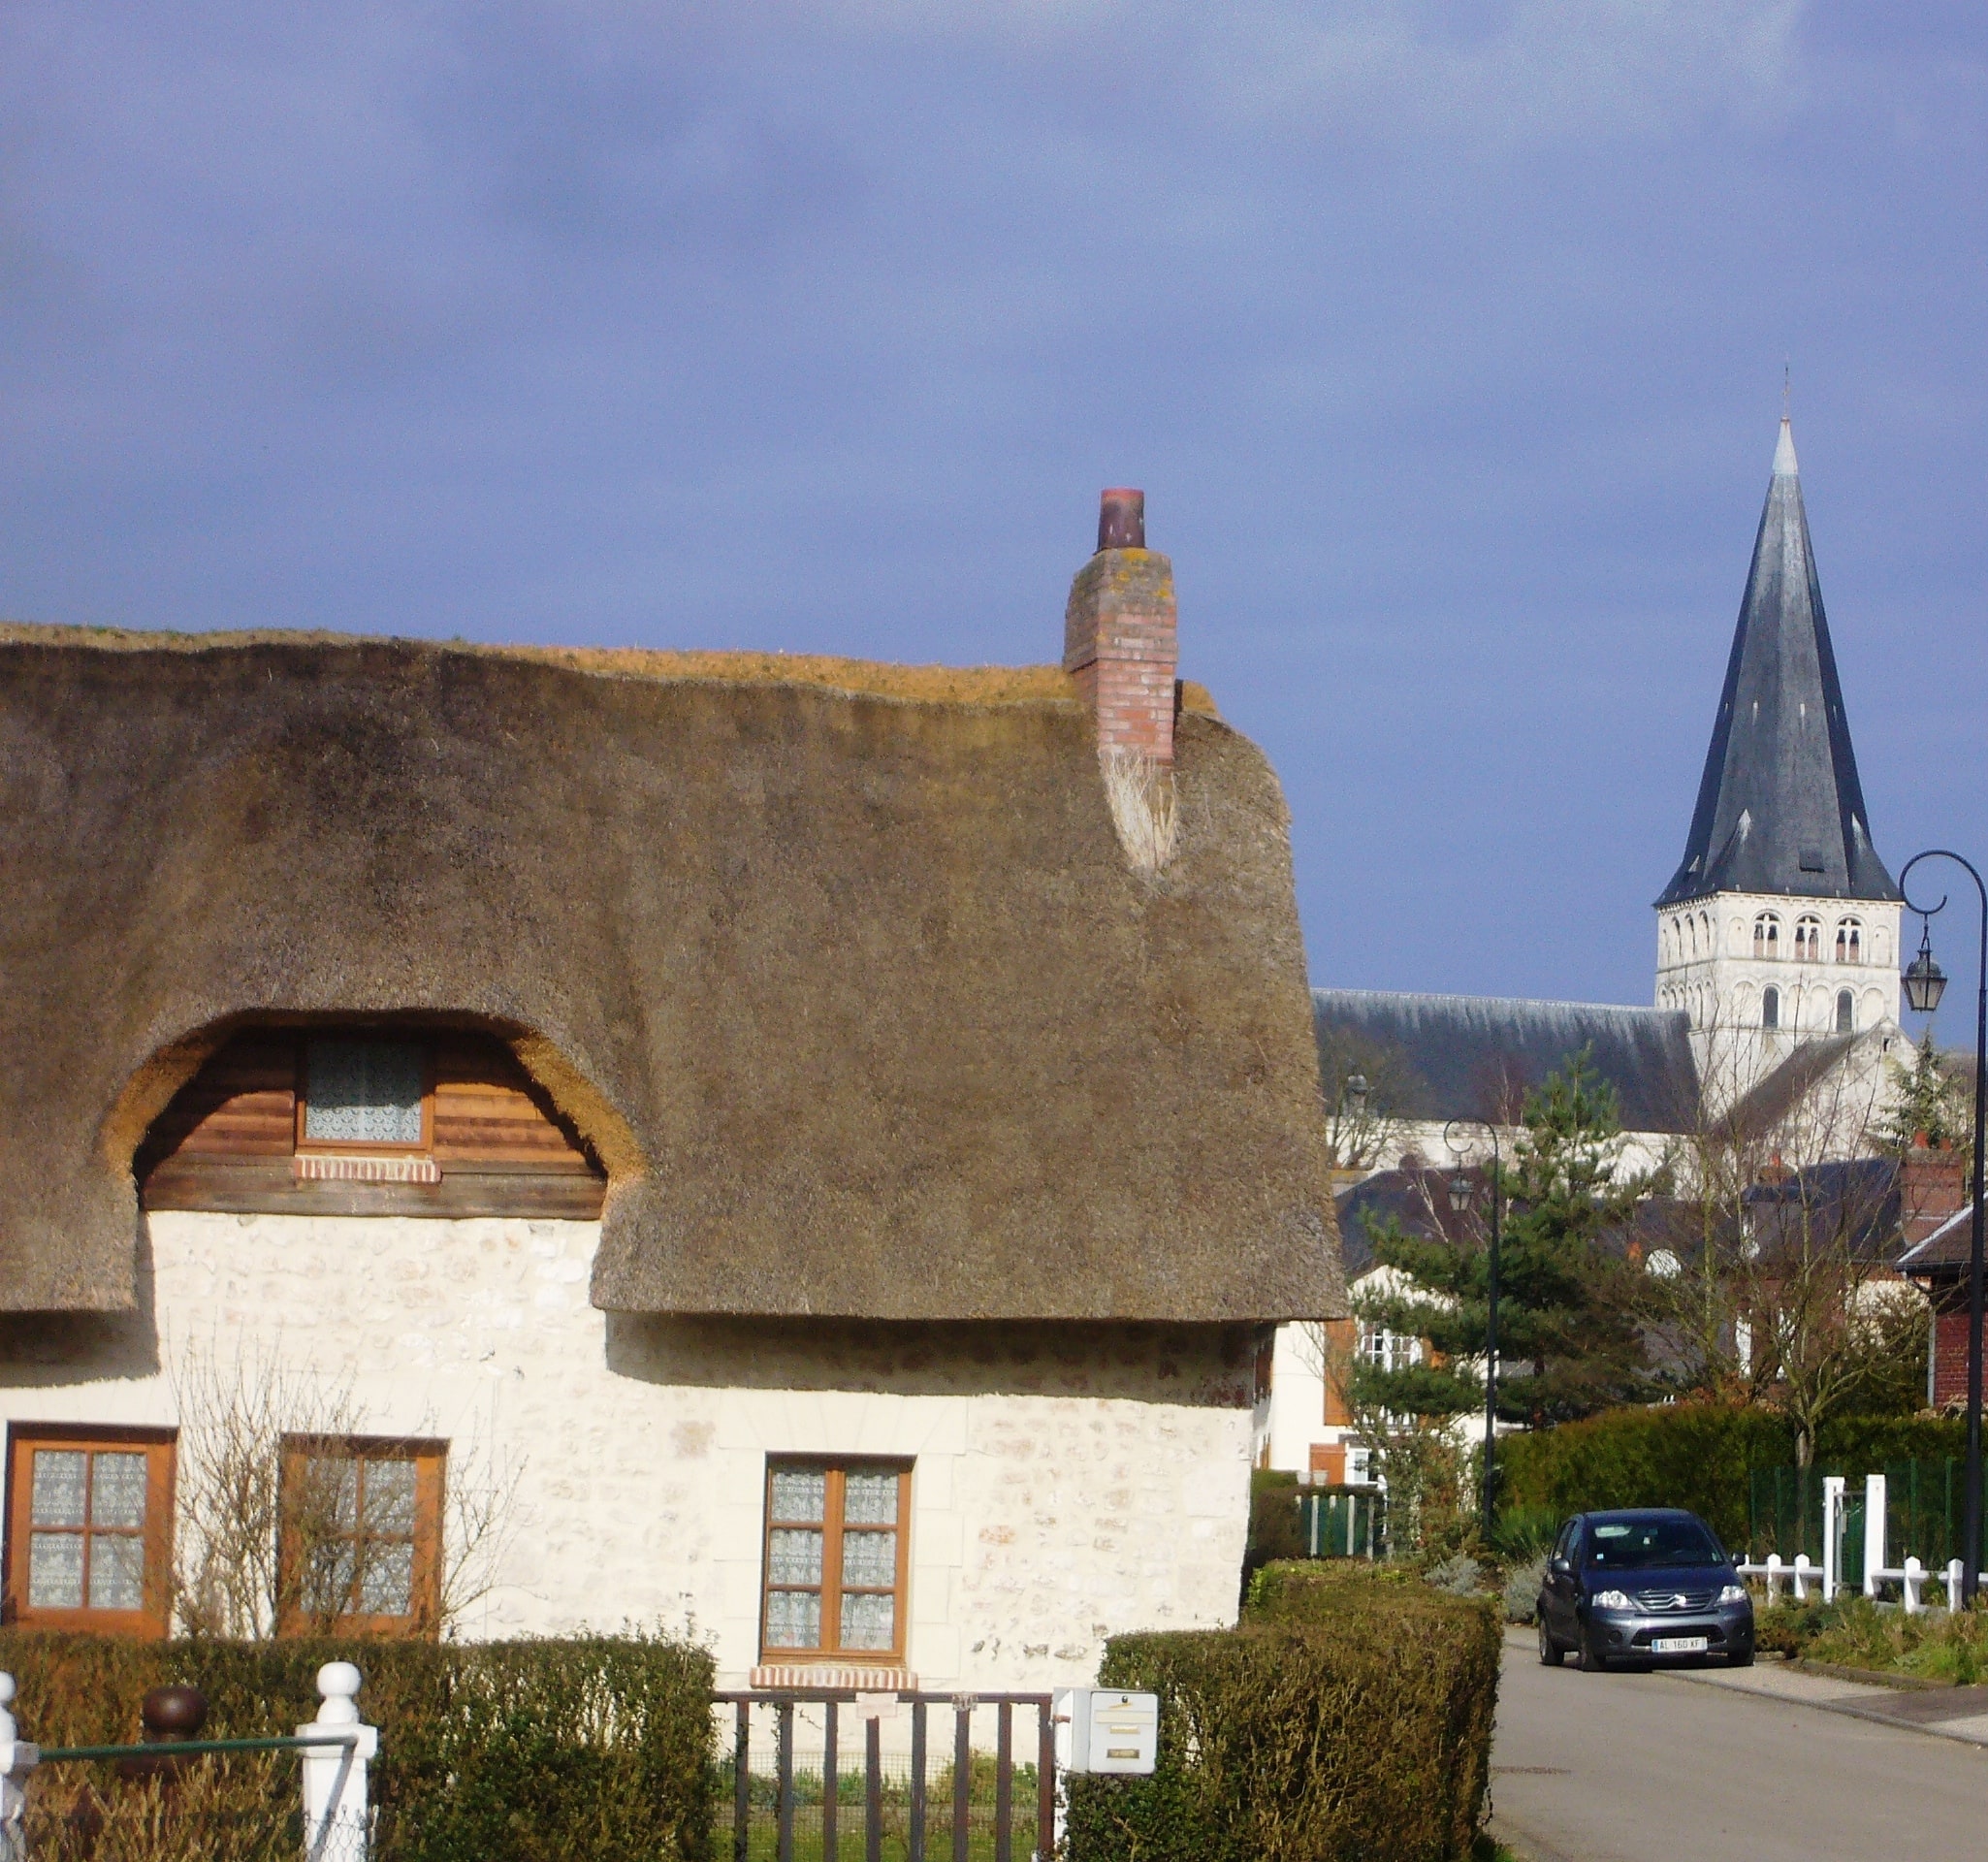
point(1781, 925)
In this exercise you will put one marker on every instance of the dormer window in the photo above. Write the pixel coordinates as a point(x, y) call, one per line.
point(364, 1094)
point(1808, 940)
point(1849, 942)
point(1767, 935)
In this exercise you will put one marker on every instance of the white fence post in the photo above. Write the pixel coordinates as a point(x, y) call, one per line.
point(334, 1803)
point(1832, 1535)
point(1804, 1572)
point(1953, 1583)
point(1914, 1586)
point(1774, 1574)
point(17, 1758)
point(1873, 1531)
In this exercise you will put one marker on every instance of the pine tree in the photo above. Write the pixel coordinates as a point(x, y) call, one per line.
point(1930, 1103)
point(1569, 1342)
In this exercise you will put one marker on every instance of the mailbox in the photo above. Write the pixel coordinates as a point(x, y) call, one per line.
point(1106, 1729)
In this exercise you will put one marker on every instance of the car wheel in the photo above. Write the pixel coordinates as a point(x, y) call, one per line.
point(1592, 1660)
point(1550, 1653)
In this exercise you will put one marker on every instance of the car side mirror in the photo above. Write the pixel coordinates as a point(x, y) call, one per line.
point(1561, 1568)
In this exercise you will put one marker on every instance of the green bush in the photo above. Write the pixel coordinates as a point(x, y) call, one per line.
point(526, 1752)
point(1699, 1456)
point(1276, 1529)
point(1349, 1717)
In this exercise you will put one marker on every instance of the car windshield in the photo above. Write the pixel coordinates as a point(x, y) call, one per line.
point(1641, 1544)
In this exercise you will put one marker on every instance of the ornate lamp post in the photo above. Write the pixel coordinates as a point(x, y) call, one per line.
point(1924, 984)
point(1459, 1199)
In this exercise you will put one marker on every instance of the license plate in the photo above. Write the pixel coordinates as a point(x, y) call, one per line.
point(1680, 1645)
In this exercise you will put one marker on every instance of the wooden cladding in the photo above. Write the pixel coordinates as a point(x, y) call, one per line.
point(498, 1145)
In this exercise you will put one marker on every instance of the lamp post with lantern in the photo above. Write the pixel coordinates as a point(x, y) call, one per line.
point(1461, 1198)
point(1924, 984)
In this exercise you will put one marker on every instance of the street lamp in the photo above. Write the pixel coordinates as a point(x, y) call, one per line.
point(1459, 1201)
point(1356, 1095)
point(1924, 984)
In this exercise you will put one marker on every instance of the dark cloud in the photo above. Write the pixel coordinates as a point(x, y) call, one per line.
point(1446, 343)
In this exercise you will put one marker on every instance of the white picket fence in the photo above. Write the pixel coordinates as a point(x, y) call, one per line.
point(1803, 1577)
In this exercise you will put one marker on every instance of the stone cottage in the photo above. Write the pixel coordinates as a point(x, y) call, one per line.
point(807, 1148)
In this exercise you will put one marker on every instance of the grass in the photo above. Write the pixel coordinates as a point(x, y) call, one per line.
point(1854, 1632)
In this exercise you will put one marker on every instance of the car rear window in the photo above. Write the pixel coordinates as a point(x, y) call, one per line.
point(1639, 1545)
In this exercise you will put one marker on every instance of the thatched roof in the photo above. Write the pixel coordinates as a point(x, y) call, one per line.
point(843, 975)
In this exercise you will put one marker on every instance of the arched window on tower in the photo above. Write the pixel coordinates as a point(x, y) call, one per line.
point(1846, 1013)
point(1769, 1007)
point(1767, 935)
point(1808, 940)
point(1849, 942)
point(1705, 931)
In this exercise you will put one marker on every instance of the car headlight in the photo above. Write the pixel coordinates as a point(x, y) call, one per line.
point(1733, 1594)
point(1612, 1601)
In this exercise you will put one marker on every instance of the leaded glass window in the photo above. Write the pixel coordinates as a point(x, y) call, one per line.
point(362, 1532)
point(359, 1091)
point(88, 1514)
point(834, 1559)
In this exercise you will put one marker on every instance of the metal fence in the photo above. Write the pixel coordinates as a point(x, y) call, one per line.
point(1924, 1514)
point(848, 1774)
point(1344, 1522)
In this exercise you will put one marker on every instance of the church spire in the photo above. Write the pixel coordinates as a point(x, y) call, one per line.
point(1779, 807)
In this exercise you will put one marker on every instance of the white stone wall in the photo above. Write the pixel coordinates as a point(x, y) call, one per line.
point(1070, 1483)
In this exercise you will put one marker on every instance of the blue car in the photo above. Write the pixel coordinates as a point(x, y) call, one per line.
point(1643, 1586)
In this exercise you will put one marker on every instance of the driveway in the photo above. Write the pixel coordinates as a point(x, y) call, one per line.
point(1654, 1768)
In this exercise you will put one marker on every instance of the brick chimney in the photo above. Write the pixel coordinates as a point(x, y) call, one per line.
point(1931, 1188)
point(1120, 635)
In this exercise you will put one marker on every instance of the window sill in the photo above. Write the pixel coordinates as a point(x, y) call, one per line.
point(345, 1166)
point(833, 1676)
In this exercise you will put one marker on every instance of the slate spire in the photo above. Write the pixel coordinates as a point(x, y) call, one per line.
point(1779, 807)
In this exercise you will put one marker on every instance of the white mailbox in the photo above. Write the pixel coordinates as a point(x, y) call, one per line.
point(1106, 1729)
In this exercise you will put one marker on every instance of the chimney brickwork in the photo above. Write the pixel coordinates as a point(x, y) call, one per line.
point(1931, 1188)
point(1121, 634)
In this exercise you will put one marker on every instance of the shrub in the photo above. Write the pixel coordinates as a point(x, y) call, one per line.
point(1276, 1529)
point(1699, 1456)
point(542, 1751)
point(1522, 1589)
point(1461, 1576)
point(1349, 1715)
point(1524, 1534)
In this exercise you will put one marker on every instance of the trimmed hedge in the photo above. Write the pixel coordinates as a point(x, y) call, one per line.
point(1349, 1717)
point(569, 1750)
point(1699, 1456)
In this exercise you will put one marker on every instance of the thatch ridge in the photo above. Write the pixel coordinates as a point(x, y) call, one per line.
point(834, 672)
point(855, 993)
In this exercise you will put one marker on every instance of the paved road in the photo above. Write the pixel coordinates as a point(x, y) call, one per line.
point(1654, 1768)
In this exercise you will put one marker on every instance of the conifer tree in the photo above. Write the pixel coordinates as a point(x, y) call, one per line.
point(1569, 1342)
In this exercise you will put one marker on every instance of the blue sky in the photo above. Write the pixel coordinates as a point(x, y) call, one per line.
point(1447, 340)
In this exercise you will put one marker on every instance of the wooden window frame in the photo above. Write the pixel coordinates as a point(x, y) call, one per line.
point(423, 1146)
point(831, 1588)
point(153, 1620)
point(430, 1475)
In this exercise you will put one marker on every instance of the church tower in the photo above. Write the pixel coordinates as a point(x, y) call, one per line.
point(1781, 925)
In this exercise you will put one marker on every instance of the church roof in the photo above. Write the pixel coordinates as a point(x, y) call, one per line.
point(1431, 1057)
point(1779, 807)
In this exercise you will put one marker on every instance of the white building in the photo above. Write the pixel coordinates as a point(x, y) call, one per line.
point(646, 1140)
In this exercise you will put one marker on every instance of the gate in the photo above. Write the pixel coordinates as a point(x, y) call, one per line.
point(1345, 1522)
point(821, 1797)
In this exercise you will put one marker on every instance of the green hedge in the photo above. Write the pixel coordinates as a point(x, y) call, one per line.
point(1697, 1455)
point(530, 1752)
point(1349, 1717)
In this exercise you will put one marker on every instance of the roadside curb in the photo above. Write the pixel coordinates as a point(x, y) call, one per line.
point(1973, 1733)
